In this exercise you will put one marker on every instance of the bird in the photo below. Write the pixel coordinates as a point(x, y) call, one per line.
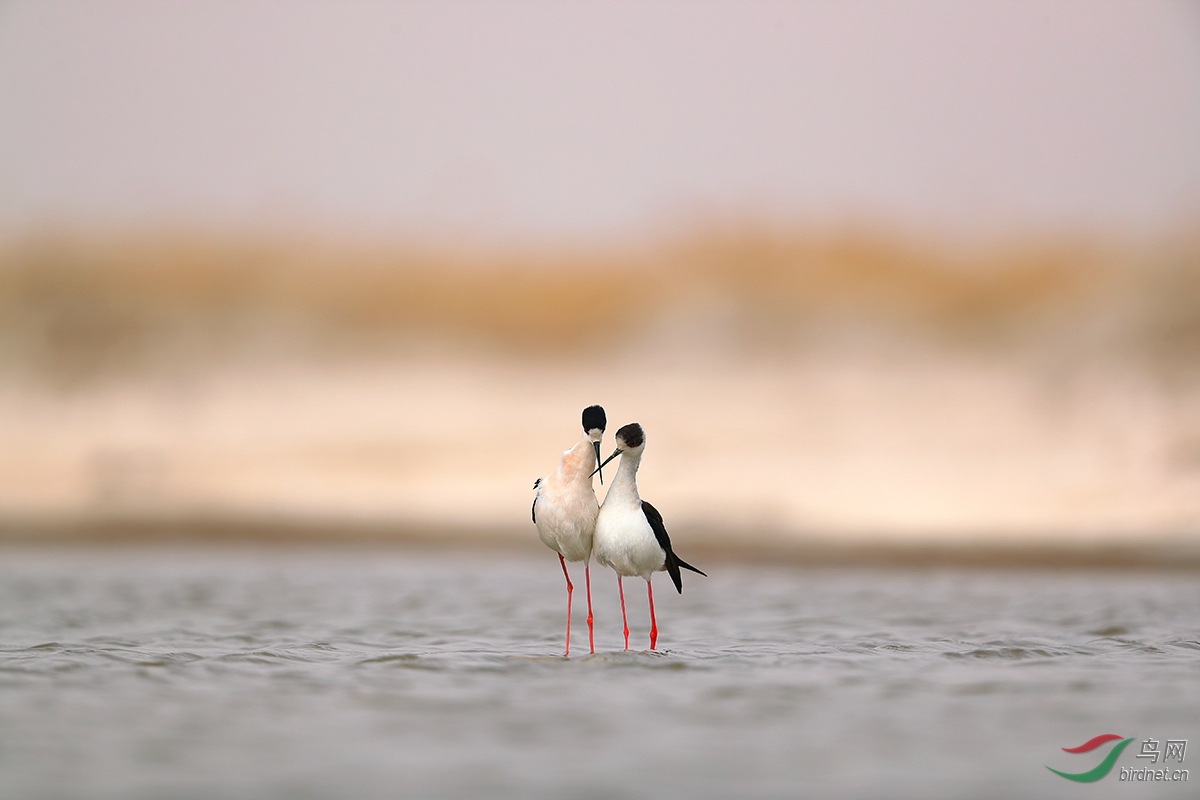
point(630, 537)
point(565, 509)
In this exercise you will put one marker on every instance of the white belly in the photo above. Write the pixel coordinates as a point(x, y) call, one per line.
point(625, 542)
point(566, 521)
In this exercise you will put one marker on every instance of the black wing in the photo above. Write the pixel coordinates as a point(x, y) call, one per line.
point(533, 509)
point(674, 562)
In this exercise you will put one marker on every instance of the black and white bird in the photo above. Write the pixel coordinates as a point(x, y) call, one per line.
point(565, 509)
point(630, 535)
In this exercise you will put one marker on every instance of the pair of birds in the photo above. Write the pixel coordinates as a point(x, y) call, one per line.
point(626, 533)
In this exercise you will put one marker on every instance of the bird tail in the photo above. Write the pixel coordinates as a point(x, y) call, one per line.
point(673, 564)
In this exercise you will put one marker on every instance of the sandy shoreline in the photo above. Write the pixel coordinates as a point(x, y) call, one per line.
point(899, 449)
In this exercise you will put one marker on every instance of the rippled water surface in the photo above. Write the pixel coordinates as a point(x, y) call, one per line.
point(223, 673)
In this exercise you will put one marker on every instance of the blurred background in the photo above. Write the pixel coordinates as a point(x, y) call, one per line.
point(916, 275)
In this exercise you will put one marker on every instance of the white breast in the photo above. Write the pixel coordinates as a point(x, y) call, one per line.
point(624, 540)
point(566, 519)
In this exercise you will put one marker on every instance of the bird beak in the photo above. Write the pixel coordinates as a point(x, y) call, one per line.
point(616, 453)
point(597, 446)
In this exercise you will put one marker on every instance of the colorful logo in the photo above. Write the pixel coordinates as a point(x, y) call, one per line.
point(1101, 769)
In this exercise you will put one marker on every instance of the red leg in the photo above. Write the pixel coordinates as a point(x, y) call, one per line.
point(570, 588)
point(587, 582)
point(624, 620)
point(653, 622)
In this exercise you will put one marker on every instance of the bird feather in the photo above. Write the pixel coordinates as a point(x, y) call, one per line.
point(673, 562)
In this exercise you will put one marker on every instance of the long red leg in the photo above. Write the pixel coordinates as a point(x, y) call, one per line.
point(653, 622)
point(570, 588)
point(587, 582)
point(624, 620)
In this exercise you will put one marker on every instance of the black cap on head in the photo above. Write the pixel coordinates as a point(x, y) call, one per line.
point(593, 417)
point(632, 435)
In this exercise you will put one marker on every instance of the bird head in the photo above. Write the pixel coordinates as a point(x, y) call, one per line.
point(594, 423)
point(630, 439)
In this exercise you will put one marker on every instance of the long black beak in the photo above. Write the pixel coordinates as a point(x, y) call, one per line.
point(597, 446)
point(616, 453)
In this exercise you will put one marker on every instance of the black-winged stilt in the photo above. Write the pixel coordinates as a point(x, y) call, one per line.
point(630, 536)
point(565, 509)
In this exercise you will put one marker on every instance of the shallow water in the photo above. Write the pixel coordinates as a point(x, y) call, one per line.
point(226, 673)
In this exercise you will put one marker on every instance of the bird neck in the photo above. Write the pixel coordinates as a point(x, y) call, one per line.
point(626, 481)
point(579, 462)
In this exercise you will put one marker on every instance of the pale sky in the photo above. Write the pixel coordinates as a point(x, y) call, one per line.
point(555, 119)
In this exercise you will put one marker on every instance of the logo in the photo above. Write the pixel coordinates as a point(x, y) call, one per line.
point(1175, 749)
point(1104, 767)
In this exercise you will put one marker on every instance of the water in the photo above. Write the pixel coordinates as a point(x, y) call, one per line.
point(226, 673)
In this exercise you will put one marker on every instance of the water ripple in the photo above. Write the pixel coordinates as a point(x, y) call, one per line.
point(145, 675)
